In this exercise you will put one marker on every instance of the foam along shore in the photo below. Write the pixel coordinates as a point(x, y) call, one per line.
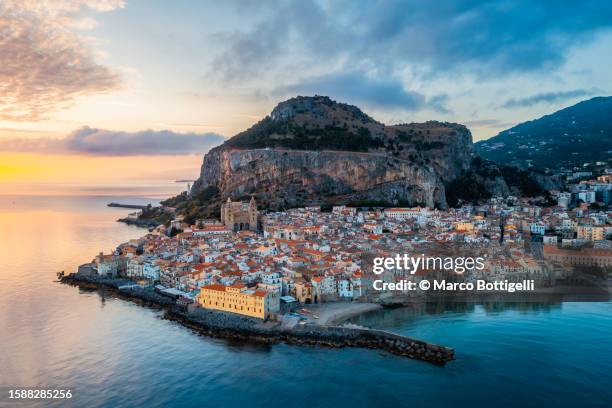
point(232, 326)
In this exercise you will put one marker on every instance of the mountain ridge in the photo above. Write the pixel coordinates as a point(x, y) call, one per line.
point(566, 138)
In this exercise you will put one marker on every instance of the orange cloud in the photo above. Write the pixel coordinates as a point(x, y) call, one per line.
point(45, 65)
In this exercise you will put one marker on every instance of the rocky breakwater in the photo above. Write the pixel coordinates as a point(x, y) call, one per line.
point(235, 327)
point(339, 336)
point(230, 326)
point(312, 150)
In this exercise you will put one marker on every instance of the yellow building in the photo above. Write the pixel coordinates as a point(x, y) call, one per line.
point(463, 226)
point(591, 232)
point(239, 299)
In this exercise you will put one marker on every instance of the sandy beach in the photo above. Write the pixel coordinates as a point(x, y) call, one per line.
point(336, 312)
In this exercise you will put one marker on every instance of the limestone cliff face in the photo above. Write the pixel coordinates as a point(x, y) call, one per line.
point(312, 150)
point(281, 178)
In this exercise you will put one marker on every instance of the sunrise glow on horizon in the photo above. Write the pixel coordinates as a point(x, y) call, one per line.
point(104, 92)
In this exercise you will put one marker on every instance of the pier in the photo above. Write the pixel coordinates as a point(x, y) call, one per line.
point(132, 206)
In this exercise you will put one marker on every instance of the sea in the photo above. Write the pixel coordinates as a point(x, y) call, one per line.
point(113, 353)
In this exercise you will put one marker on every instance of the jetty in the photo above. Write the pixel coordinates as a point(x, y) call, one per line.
point(132, 206)
point(217, 324)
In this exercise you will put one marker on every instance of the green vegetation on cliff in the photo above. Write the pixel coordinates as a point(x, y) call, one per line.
point(270, 133)
point(473, 185)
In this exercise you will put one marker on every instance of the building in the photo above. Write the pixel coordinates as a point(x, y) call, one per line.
point(579, 257)
point(134, 268)
point(564, 200)
point(550, 239)
point(591, 232)
point(151, 271)
point(304, 293)
point(345, 288)
point(537, 228)
point(211, 230)
point(463, 226)
point(239, 216)
point(110, 265)
point(239, 299)
point(284, 232)
point(405, 213)
point(373, 228)
point(587, 196)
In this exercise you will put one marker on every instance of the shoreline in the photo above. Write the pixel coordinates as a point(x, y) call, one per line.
point(334, 313)
point(235, 327)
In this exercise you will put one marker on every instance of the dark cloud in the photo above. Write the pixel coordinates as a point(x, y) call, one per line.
point(357, 88)
point(248, 51)
point(546, 97)
point(438, 103)
point(481, 37)
point(103, 142)
point(44, 64)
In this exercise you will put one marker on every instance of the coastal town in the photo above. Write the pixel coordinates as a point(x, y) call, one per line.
point(267, 265)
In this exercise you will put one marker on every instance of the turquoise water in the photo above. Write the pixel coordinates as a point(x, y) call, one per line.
point(112, 353)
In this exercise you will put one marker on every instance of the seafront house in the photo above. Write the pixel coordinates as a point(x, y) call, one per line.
point(110, 265)
point(239, 299)
point(134, 268)
point(151, 271)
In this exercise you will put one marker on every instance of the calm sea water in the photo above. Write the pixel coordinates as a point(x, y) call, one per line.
point(112, 353)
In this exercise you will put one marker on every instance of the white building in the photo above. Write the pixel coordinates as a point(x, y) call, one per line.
point(345, 288)
point(134, 268)
point(550, 239)
point(406, 213)
point(564, 200)
point(151, 271)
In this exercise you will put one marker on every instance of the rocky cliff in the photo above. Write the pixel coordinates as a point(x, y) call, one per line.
point(282, 178)
point(312, 150)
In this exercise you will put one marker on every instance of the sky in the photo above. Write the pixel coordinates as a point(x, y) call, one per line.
point(128, 91)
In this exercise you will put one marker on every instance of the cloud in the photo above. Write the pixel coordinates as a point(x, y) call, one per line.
point(490, 123)
point(101, 142)
point(357, 88)
point(438, 103)
point(45, 65)
point(446, 38)
point(546, 97)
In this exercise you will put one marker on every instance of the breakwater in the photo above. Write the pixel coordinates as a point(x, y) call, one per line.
point(231, 326)
point(131, 206)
